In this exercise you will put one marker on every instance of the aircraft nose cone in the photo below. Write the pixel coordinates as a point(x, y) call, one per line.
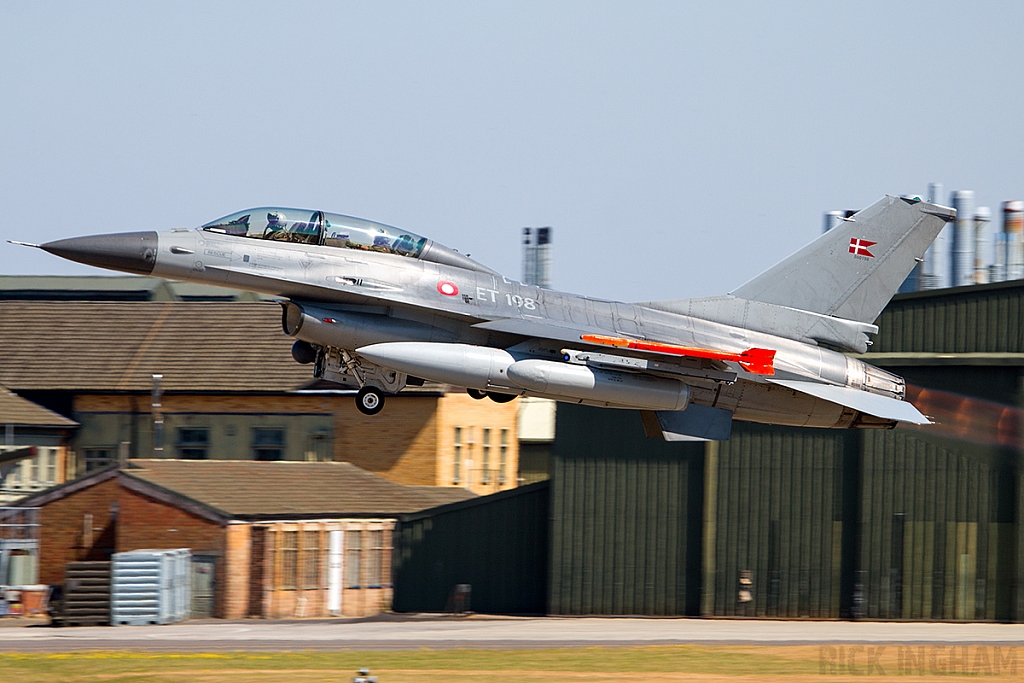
point(130, 252)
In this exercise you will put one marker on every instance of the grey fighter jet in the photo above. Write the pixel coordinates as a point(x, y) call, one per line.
point(377, 308)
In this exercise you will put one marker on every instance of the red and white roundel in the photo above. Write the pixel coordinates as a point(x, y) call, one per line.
point(447, 288)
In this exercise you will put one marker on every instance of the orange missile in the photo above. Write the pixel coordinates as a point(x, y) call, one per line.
point(754, 360)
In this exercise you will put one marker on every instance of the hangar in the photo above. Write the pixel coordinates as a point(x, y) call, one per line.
point(916, 524)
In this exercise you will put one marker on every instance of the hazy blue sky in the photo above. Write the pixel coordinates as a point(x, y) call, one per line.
point(677, 148)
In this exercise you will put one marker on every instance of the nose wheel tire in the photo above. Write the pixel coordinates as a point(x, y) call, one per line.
point(500, 398)
point(476, 393)
point(370, 400)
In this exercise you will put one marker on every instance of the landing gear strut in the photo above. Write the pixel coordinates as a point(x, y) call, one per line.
point(476, 393)
point(370, 400)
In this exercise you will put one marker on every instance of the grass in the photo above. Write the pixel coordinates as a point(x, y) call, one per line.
point(505, 666)
point(659, 664)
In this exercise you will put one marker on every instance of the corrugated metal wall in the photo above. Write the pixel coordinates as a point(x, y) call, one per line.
point(984, 318)
point(778, 515)
point(932, 519)
point(868, 524)
point(625, 517)
point(498, 544)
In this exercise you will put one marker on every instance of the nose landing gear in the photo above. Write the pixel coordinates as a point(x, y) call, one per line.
point(370, 400)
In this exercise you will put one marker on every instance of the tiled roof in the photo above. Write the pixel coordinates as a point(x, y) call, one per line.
point(14, 410)
point(111, 346)
point(113, 288)
point(118, 346)
point(285, 489)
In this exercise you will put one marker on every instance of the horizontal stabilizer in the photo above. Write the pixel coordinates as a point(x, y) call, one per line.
point(872, 404)
point(782, 321)
point(696, 423)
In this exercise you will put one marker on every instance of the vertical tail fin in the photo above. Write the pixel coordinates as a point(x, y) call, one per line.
point(853, 270)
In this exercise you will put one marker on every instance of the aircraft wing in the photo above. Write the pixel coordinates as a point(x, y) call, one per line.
point(872, 404)
point(540, 328)
point(754, 360)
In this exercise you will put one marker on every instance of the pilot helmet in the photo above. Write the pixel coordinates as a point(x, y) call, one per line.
point(275, 217)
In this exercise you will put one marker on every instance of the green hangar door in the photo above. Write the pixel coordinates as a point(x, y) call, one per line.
point(626, 517)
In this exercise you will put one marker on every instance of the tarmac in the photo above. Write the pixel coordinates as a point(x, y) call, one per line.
point(406, 632)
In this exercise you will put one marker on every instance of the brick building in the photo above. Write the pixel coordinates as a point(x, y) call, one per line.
point(231, 390)
point(268, 539)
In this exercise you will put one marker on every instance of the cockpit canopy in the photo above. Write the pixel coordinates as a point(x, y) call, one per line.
point(316, 227)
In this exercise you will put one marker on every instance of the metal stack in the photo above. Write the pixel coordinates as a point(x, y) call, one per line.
point(537, 257)
point(150, 587)
point(935, 269)
point(982, 245)
point(1013, 236)
point(962, 271)
point(969, 250)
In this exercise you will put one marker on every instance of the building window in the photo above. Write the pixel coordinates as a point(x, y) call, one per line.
point(353, 555)
point(375, 561)
point(15, 476)
point(267, 443)
point(310, 559)
point(51, 465)
point(318, 448)
point(503, 457)
point(193, 443)
point(98, 458)
point(457, 463)
point(485, 475)
point(289, 559)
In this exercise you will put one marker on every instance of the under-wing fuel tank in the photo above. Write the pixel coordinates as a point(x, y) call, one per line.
point(488, 369)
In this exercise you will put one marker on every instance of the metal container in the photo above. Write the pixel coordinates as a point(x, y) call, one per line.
point(150, 587)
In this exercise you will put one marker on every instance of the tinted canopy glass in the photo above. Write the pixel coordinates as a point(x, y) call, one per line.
point(356, 233)
point(316, 227)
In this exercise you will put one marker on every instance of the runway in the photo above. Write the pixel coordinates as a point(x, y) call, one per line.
point(391, 632)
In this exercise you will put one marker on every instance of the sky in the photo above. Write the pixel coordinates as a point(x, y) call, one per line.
point(677, 149)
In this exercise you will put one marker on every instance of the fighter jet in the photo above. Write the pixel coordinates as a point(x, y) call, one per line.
point(376, 308)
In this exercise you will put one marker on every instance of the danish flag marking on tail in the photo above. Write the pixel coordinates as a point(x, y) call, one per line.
point(859, 247)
